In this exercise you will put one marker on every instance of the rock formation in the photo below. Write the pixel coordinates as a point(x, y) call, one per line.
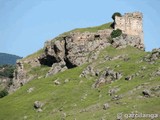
point(75, 48)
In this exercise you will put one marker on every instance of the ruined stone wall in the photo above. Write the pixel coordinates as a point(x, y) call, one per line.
point(131, 24)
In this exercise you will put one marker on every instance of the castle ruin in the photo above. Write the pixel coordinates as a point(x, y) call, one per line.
point(131, 24)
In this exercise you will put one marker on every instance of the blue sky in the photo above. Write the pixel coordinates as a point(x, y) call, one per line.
point(26, 24)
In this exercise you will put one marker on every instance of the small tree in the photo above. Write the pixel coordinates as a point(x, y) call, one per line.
point(116, 33)
point(3, 93)
point(116, 14)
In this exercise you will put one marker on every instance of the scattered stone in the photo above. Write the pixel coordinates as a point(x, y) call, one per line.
point(113, 91)
point(57, 67)
point(93, 56)
point(143, 68)
point(108, 76)
point(66, 81)
point(146, 93)
point(30, 90)
point(108, 58)
point(157, 73)
point(151, 58)
point(89, 71)
point(97, 73)
point(128, 78)
point(156, 91)
point(56, 82)
point(83, 110)
point(38, 104)
point(106, 106)
point(39, 110)
point(116, 97)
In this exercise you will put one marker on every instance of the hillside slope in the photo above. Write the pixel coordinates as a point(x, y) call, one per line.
point(8, 59)
point(72, 95)
point(87, 74)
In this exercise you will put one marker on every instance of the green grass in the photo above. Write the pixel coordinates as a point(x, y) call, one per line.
point(88, 29)
point(93, 29)
point(39, 71)
point(35, 55)
point(78, 99)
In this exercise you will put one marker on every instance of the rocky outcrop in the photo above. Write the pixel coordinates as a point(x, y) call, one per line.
point(107, 77)
point(106, 106)
point(74, 48)
point(89, 71)
point(155, 55)
point(70, 50)
point(125, 40)
point(20, 74)
point(63, 52)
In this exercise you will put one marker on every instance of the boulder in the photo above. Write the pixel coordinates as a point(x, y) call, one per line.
point(57, 67)
point(106, 106)
point(107, 76)
point(128, 78)
point(30, 90)
point(56, 82)
point(151, 58)
point(146, 93)
point(89, 71)
point(113, 91)
point(38, 104)
point(116, 97)
point(124, 40)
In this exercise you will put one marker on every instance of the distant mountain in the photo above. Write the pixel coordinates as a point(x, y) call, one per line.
point(8, 59)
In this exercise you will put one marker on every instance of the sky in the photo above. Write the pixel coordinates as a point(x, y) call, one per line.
point(26, 24)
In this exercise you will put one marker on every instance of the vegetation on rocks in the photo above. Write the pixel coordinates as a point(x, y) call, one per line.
point(3, 93)
point(7, 71)
point(116, 33)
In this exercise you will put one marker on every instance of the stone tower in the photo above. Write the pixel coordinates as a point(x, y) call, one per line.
point(131, 24)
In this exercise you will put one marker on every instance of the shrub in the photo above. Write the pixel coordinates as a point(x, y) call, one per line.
point(3, 93)
point(116, 33)
point(116, 14)
point(7, 71)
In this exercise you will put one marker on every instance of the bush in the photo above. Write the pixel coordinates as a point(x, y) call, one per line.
point(7, 71)
point(116, 14)
point(3, 93)
point(116, 33)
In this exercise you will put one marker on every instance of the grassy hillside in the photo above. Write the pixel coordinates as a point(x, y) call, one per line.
point(8, 59)
point(75, 98)
point(94, 29)
point(88, 29)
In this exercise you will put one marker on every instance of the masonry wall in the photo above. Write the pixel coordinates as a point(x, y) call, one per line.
point(131, 24)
